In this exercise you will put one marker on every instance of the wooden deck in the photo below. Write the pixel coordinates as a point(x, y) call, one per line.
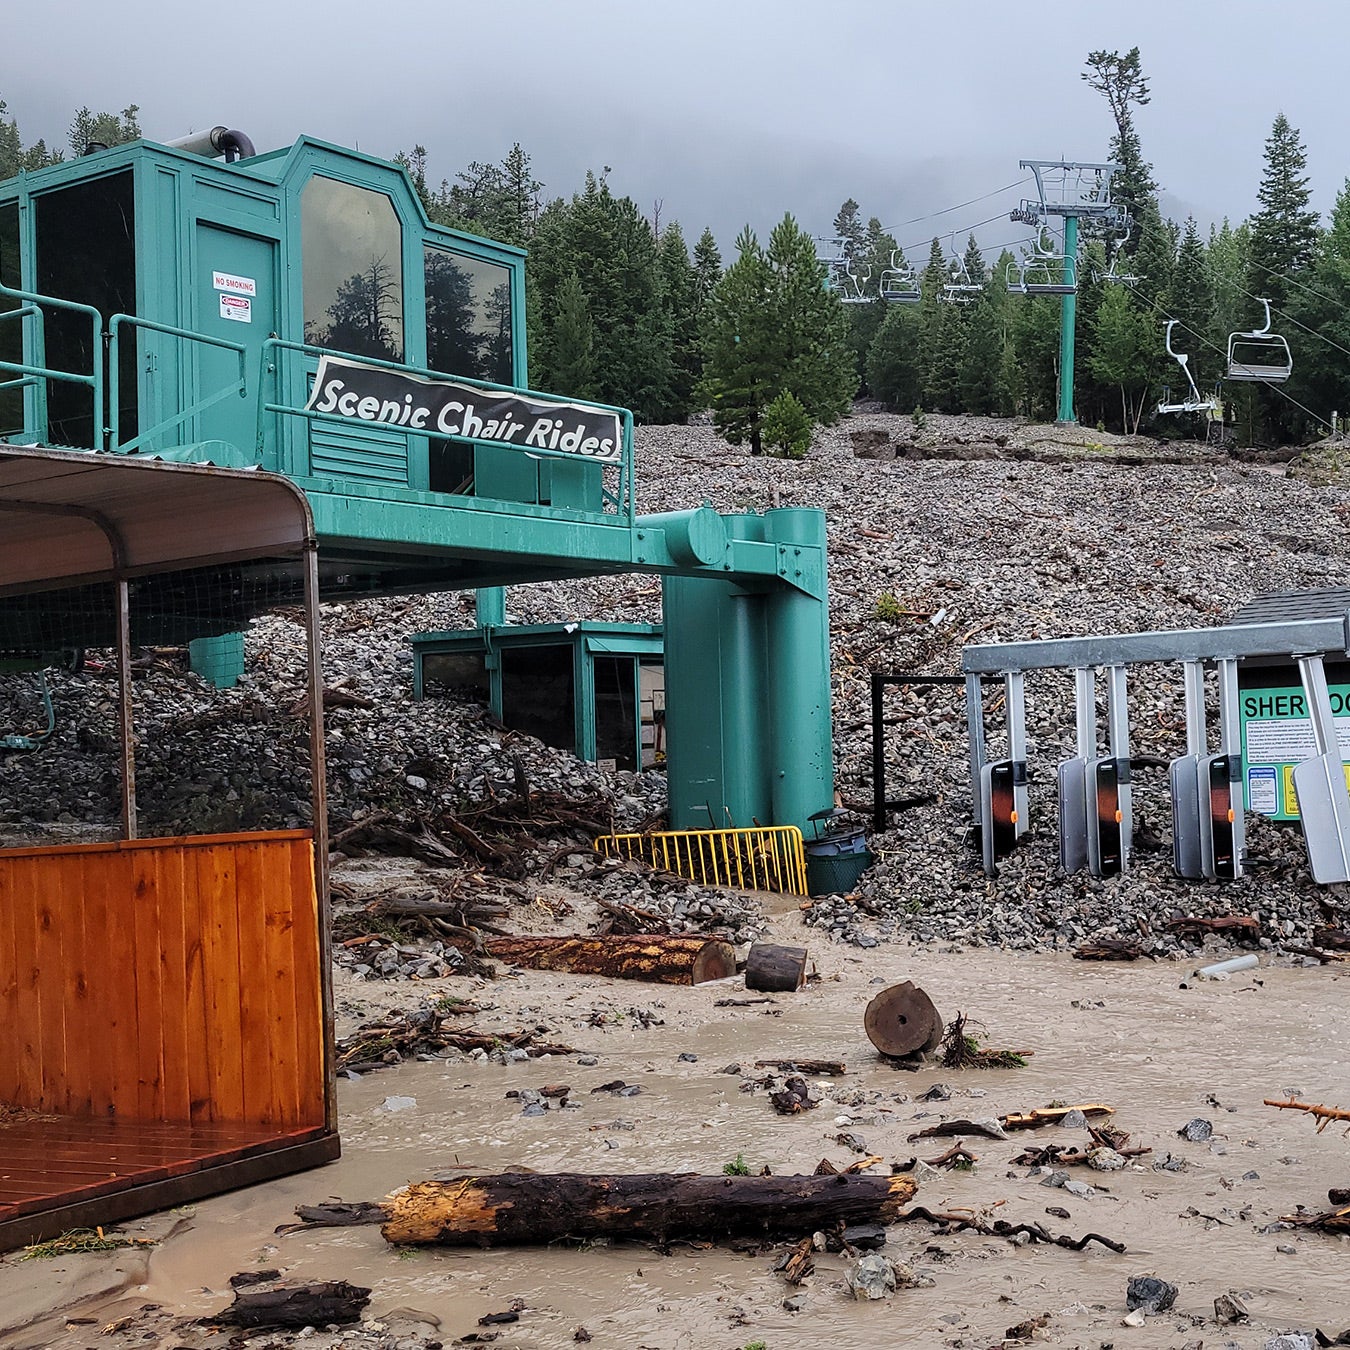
point(73, 1165)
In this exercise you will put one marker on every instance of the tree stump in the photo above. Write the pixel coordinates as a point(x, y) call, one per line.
point(295, 1305)
point(520, 1207)
point(901, 1020)
point(774, 969)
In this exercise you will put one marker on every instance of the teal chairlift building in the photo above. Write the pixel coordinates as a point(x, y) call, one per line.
point(157, 302)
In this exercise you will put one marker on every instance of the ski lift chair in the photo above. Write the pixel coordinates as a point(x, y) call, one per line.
point(1043, 274)
point(1193, 404)
point(1259, 356)
point(961, 288)
point(899, 284)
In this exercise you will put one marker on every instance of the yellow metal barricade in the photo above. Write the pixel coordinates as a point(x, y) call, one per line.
point(763, 858)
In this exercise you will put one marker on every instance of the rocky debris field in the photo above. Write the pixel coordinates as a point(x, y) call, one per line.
point(941, 534)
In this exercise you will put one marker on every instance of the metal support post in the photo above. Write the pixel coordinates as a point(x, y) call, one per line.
point(975, 737)
point(1192, 837)
point(1078, 840)
point(125, 724)
point(1068, 312)
point(1229, 766)
point(1014, 690)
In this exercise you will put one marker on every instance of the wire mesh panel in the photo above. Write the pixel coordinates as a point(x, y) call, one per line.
point(60, 754)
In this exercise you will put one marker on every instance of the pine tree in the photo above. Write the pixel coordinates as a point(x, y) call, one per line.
point(770, 326)
point(1121, 81)
point(892, 360)
point(1285, 230)
point(707, 266)
point(108, 129)
point(1191, 301)
point(571, 363)
point(848, 228)
point(1321, 377)
point(1123, 354)
point(14, 155)
point(740, 378)
point(680, 299)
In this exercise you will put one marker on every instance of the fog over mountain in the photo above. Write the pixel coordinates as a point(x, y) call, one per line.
point(726, 113)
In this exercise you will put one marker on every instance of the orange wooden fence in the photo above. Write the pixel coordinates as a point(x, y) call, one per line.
point(163, 979)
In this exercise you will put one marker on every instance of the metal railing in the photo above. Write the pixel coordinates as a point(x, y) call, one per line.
point(622, 499)
point(763, 857)
point(120, 321)
point(39, 372)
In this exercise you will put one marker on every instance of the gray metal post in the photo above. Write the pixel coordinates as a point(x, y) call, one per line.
point(1014, 696)
point(1118, 727)
point(1230, 745)
point(975, 739)
point(1323, 803)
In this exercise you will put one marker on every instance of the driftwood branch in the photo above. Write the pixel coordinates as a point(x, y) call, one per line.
point(1324, 1114)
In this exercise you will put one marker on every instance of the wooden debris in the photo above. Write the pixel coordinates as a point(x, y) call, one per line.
point(400, 1036)
point(1066, 1155)
point(1242, 927)
point(815, 1068)
point(740, 1002)
point(514, 1208)
point(1109, 949)
point(954, 1157)
point(1337, 939)
point(1332, 1221)
point(989, 1128)
point(660, 957)
point(302, 1305)
point(335, 1215)
point(955, 1221)
point(798, 1262)
point(1051, 1115)
point(1324, 1114)
point(901, 1020)
point(775, 969)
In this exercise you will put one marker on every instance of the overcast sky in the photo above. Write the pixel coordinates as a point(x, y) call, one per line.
point(728, 111)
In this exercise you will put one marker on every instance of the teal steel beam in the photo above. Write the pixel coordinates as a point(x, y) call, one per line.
point(1068, 314)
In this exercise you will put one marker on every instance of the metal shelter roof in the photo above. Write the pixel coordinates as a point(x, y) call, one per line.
point(68, 518)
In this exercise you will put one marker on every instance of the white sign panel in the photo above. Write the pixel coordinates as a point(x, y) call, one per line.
point(237, 308)
point(227, 281)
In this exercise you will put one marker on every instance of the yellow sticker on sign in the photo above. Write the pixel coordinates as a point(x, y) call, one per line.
point(1290, 796)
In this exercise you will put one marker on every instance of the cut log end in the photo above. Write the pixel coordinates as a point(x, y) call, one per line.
point(901, 1020)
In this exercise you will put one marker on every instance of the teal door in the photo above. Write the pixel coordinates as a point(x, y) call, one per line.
point(236, 302)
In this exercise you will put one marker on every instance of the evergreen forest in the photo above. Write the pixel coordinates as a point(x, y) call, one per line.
point(632, 309)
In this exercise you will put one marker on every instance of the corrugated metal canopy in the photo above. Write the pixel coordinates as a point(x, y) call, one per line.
point(71, 517)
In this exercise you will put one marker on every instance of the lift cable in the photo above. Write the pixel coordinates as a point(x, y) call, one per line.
point(947, 210)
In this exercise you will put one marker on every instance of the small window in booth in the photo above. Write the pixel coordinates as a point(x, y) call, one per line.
point(468, 317)
point(352, 249)
point(11, 330)
point(86, 252)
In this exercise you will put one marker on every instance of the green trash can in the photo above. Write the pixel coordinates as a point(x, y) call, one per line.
point(836, 858)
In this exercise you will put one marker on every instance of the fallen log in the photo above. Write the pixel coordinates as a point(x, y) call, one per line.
point(1333, 1221)
point(1338, 939)
point(815, 1068)
point(1243, 927)
point(1109, 949)
point(305, 1305)
point(660, 957)
point(521, 1208)
point(774, 969)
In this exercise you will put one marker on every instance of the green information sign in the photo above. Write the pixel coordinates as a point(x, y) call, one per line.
point(1277, 734)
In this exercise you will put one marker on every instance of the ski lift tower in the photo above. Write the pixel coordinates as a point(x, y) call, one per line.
point(1070, 191)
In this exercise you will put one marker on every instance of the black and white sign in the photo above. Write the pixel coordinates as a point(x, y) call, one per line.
point(446, 408)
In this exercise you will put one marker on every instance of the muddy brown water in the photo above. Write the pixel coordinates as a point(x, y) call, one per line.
point(1156, 1051)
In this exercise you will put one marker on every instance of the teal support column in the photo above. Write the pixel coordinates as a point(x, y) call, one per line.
point(1068, 315)
point(583, 702)
point(800, 745)
point(490, 606)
